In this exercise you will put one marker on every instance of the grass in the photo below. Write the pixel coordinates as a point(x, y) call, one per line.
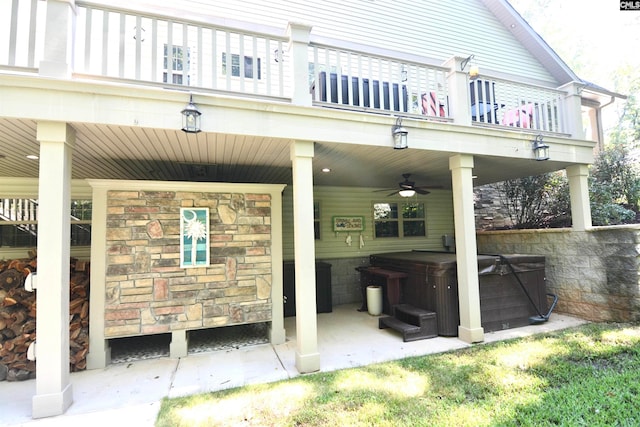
point(584, 376)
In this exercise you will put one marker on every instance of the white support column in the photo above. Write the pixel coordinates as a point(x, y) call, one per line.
point(307, 356)
point(58, 40)
point(470, 329)
point(53, 389)
point(578, 176)
point(298, 52)
point(459, 98)
point(99, 355)
point(277, 333)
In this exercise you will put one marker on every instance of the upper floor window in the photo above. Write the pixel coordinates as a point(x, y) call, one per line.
point(179, 65)
point(235, 66)
point(393, 219)
point(19, 223)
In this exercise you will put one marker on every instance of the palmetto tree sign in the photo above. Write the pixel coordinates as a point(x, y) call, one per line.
point(194, 237)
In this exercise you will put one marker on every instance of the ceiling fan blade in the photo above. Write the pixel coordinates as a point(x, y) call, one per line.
point(429, 187)
point(391, 194)
point(384, 189)
point(421, 191)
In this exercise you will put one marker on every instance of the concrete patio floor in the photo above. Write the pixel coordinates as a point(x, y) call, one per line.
point(130, 393)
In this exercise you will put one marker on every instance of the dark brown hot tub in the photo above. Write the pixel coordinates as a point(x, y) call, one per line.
point(432, 285)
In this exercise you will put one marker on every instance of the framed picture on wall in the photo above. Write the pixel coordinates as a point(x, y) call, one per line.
point(194, 237)
point(348, 223)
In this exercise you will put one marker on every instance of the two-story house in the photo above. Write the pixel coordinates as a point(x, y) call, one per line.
point(207, 142)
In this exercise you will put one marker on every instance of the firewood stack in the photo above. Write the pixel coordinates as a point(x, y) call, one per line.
point(18, 317)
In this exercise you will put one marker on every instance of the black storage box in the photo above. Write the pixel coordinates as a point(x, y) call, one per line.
point(324, 302)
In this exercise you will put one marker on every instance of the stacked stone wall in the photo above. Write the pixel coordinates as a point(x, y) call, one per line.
point(148, 292)
point(595, 273)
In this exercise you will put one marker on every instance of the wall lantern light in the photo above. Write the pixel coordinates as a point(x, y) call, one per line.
point(191, 117)
point(399, 133)
point(540, 149)
point(473, 68)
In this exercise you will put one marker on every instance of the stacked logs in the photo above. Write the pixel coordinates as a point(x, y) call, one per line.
point(18, 317)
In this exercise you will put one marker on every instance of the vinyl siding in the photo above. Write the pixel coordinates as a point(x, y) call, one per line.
point(435, 29)
point(358, 202)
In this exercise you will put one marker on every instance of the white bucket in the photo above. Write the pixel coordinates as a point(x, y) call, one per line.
point(374, 300)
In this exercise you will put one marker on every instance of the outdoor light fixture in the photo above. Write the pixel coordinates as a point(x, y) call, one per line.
point(191, 117)
point(407, 193)
point(473, 69)
point(399, 135)
point(540, 149)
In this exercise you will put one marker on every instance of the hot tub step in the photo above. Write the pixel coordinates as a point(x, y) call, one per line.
point(410, 332)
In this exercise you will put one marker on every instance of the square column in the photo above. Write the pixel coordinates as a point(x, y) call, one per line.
point(307, 356)
point(298, 51)
point(578, 176)
point(53, 389)
point(470, 329)
point(58, 40)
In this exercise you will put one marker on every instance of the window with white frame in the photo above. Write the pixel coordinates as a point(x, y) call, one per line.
point(406, 219)
point(250, 64)
point(179, 65)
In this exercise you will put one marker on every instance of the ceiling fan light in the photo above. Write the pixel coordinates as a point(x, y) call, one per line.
point(407, 193)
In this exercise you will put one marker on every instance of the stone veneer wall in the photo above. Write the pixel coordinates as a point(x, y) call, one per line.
point(595, 273)
point(147, 292)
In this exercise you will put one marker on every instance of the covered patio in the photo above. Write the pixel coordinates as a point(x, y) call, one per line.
point(130, 392)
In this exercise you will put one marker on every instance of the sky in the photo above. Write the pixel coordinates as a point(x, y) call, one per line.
point(595, 38)
point(597, 32)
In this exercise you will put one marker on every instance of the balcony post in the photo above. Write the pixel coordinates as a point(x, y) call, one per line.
point(298, 47)
point(573, 109)
point(458, 83)
point(58, 41)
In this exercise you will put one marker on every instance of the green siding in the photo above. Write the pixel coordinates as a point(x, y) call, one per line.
point(358, 202)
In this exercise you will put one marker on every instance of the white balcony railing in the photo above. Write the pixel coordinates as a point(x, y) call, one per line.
point(139, 48)
point(519, 105)
point(125, 45)
point(356, 79)
point(22, 25)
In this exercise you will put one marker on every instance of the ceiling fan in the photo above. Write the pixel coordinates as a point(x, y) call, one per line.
point(408, 188)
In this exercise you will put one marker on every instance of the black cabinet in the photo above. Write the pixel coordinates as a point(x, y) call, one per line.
point(323, 288)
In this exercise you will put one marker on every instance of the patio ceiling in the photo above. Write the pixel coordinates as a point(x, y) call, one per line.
point(118, 152)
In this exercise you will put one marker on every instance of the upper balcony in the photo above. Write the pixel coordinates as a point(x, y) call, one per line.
point(137, 48)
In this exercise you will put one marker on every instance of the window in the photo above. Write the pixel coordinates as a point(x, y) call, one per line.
point(235, 66)
point(178, 65)
point(19, 223)
point(408, 221)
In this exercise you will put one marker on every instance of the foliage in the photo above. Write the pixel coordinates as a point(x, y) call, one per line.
point(536, 202)
point(615, 186)
point(588, 375)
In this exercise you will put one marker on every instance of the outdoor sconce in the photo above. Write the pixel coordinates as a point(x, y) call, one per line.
point(540, 149)
point(473, 68)
point(399, 133)
point(191, 117)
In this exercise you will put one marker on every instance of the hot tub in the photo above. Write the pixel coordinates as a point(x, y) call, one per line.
point(432, 285)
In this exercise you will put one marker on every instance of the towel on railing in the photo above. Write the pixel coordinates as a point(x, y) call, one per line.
point(431, 106)
point(521, 116)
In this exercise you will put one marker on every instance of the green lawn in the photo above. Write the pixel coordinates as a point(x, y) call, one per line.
point(585, 376)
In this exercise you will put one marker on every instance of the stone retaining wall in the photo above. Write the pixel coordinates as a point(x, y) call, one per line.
point(147, 292)
point(595, 273)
